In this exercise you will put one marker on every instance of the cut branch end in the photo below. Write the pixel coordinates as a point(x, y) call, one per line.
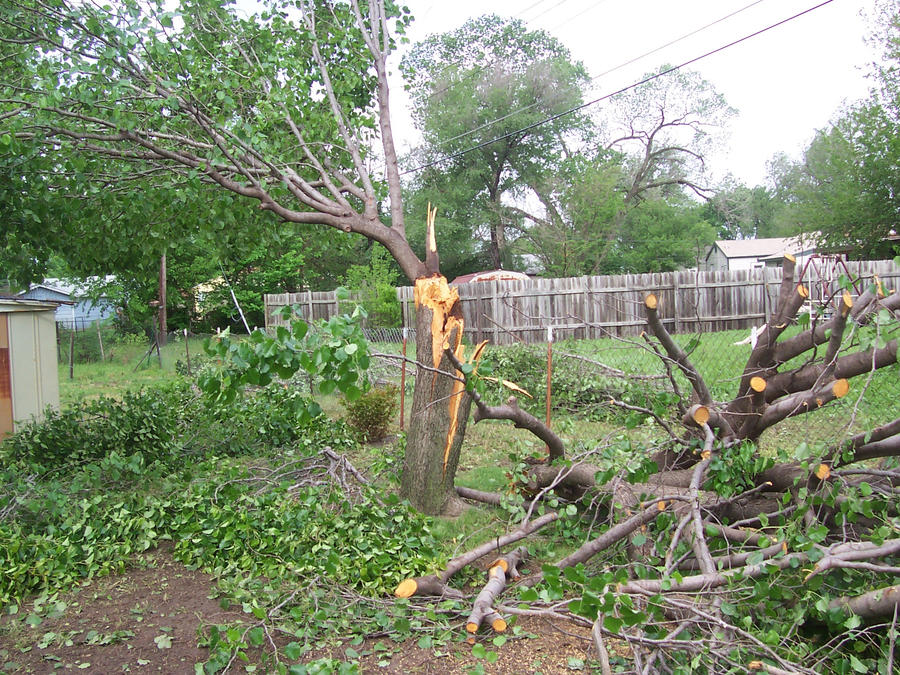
point(840, 388)
point(406, 589)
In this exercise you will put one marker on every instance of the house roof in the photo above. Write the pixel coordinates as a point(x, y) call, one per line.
point(491, 275)
point(765, 248)
point(69, 288)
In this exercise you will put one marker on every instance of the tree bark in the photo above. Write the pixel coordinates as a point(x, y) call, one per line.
point(877, 604)
point(440, 404)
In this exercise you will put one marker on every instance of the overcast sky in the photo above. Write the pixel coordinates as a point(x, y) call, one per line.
point(785, 83)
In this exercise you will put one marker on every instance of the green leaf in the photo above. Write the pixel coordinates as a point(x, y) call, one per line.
point(256, 636)
point(858, 665)
point(163, 641)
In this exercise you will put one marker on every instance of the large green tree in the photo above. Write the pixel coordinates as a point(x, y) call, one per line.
point(850, 181)
point(481, 95)
point(740, 212)
point(651, 151)
point(847, 185)
point(282, 109)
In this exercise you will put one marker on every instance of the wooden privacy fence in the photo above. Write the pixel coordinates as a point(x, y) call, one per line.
point(599, 306)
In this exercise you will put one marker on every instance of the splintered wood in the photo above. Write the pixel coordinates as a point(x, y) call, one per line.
point(436, 295)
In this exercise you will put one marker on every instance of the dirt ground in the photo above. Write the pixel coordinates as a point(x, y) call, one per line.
point(148, 620)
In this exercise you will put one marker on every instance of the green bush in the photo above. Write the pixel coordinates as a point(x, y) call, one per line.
point(372, 413)
point(145, 421)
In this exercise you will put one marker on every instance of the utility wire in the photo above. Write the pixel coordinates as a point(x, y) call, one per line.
point(634, 85)
point(469, 132)
point(587, 9)
point(549, 9)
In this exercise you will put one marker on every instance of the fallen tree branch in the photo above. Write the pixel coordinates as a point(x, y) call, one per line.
point(498, 571)
point(435, 584)
point(875, 604)
point(675, 352)
point(521, 419)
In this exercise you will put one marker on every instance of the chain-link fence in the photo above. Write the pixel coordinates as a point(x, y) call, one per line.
point(587, 375)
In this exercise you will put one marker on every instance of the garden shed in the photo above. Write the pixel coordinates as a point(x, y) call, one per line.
point(29, 381)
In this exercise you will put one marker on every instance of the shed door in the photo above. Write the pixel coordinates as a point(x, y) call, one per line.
point(6, 411)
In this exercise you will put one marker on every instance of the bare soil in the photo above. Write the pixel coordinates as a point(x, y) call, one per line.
point(150, 618)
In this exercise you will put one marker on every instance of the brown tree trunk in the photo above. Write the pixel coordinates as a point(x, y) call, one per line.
point(440, 407)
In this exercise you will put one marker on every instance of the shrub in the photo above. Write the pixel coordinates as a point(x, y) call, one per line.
point(371, 414)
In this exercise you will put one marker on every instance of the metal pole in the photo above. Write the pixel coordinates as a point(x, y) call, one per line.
point(72, 347)
point(403, 378)
point(100, 340)
point(187, 352)
point(162, 320)
point(549, 373)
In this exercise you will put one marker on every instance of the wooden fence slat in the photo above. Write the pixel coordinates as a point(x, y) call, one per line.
point(599, 306)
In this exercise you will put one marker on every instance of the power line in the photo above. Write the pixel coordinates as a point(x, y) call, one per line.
point(634, 85)
point(549, 9)
point(587, 9)
point(469, 132)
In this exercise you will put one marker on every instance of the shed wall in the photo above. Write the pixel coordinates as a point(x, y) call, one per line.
point(32, 351)
point(6, 413)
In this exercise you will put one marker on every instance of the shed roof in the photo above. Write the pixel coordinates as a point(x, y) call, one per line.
point(19, 305)
point(765, 248)
point(491, 275)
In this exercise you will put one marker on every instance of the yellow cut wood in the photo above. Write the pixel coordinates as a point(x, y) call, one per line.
point(840, 388)
point(406, 588)
point(701, 415)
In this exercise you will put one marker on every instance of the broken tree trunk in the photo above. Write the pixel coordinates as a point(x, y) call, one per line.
point(440, 404)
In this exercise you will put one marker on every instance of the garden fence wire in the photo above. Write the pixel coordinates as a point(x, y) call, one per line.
point(586, 374)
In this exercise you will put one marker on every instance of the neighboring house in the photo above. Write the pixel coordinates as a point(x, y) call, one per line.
point(745, 254)
point(77, 309)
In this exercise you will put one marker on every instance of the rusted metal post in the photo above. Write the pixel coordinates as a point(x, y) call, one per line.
point(549, 374)
point(403, 377)
point(187, 352)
